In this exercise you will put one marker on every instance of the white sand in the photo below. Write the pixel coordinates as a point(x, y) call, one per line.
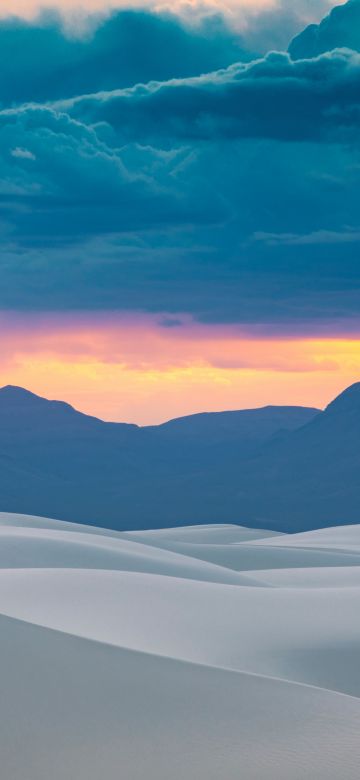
point(122, 658)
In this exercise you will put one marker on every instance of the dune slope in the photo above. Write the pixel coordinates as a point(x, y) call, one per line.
point(152, 655)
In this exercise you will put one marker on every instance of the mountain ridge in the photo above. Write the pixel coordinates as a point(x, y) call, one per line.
point(281, 468)
point(18, 394)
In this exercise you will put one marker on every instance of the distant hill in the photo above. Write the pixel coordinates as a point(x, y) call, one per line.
point(284, 468)
point(61, 463)
point(311, 478)
point(305, 478)
point(250, 426)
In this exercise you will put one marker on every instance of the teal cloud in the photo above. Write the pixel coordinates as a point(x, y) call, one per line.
point(340, 29)
point(39, 61)
point(232, 195)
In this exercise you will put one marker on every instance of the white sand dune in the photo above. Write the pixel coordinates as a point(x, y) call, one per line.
point(325, 577)
point(202, 534)
point(82, 710)
point(254, 555)
point(41, 547)
point(307, 635)
point(11, 520)
point(341, 538)
point(124, 658)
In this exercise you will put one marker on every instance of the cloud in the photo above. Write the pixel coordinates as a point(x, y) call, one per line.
point(78, 186)
point(309, 239)
point(340, 29)
point(274, 27)
point(23, 154)
point(240, 12)
point(273, 97)
point(52, 63)
point(230, 196)
point(70, 8)
point(90, 224)
point(139, 342)
point(105, 51)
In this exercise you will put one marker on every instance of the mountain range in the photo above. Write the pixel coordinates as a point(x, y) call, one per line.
point(284, 468)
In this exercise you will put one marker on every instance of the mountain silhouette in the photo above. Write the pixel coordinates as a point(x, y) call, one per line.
point(347, 402)
point(310, 479)
point(285, 468)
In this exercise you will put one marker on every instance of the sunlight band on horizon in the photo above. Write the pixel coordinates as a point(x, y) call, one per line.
point(137, 370)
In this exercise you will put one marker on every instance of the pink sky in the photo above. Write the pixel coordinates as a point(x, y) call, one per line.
point(133, 369)
point(29, 7)
point(237, 10)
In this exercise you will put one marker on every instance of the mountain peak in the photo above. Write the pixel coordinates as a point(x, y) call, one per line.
point(347, 401)
point(17, 398)
point(16, 393)
point(18, 404)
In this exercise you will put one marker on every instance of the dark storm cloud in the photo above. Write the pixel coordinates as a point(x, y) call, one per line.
point(340, 29)
point(40, 61)
point(232, 196)
point(60, 181)
point(274, 97)
point(228, 240)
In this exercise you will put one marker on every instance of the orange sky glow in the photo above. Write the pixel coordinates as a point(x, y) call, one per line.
point(136, 370)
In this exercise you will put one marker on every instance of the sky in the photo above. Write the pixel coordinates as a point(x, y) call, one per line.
point(29, 8)
point(179, 190)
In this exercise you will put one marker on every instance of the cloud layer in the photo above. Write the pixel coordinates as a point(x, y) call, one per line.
point(340, 29)
point(227, 191)
point(271, 98)
point(240, 11)
point(52, 62)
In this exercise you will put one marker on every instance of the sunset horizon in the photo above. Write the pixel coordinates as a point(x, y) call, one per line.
point(147, 369)
point(111, 406)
